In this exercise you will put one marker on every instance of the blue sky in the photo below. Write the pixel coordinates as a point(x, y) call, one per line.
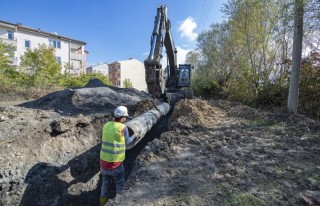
point(115, 29)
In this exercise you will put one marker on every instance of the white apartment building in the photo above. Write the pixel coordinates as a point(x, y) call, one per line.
point(132, 70)
point(102, 68)
point(67, 50)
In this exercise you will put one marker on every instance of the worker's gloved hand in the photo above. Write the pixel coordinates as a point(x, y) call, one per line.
point(132, 143)
point(131, 139)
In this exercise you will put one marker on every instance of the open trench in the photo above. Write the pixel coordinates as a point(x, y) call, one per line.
point(131, 156)
point(57, 160)
point(78, 182)
point(155, 132)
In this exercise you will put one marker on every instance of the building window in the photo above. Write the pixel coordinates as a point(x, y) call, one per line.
point(118, 74)
point(27, 43)
point(55, 44)
point(10, 35)
point(118, 66)
point(58, 59)
point(118, 83)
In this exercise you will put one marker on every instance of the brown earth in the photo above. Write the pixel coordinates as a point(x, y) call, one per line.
point(203, 153)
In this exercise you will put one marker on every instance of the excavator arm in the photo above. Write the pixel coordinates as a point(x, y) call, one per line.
point(174, 79)
point(153, 67)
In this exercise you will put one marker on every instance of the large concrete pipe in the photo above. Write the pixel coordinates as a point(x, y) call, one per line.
point(140, 125)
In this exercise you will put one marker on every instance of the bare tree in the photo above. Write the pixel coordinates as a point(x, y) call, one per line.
point(296, 57)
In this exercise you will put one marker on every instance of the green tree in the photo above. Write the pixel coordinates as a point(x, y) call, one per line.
point(6, 55)
point(67, 68)
point(251, 25)
point(249, 55)
point(41, 66)
point(127, 83)
point(193, 58)
point(9, 76)
point(213, 68)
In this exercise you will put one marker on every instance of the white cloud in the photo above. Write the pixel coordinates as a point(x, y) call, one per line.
point(181, 55)
point(187, 29)
point(145, 54)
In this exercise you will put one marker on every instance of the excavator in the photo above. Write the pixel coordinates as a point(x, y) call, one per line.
point(173, 82)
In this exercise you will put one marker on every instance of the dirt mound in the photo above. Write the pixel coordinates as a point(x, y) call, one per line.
point(189, 113)
point(95, 82)
point(94, 98)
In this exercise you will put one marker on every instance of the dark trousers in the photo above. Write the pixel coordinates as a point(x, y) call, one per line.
point(117, 175)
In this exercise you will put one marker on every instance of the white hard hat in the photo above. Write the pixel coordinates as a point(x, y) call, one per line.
point(121, 111)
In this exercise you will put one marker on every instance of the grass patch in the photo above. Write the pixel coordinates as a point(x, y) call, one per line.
point(260, 122)
point(183, 195)
point(246, 199)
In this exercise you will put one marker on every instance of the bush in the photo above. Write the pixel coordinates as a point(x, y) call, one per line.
point(205, 86)
point(309, 90)
point(273, 94)
point(240, 90)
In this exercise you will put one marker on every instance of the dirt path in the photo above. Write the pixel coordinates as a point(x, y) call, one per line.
point(227, 154)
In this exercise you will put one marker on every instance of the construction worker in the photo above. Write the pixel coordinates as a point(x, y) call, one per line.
point(115, 136)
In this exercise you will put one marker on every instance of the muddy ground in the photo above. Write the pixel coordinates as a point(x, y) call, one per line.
point(203, 153)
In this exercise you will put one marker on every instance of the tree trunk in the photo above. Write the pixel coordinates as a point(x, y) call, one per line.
point(296, 57)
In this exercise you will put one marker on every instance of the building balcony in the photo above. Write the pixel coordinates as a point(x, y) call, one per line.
point(12, 42)
point(76, 56)
point(73, 71)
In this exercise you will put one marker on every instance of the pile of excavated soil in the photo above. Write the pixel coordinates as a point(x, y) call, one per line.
point(94, 98)
point(189, 113)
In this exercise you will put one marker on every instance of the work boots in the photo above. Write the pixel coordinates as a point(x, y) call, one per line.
point(103, 201)
point(115, 201)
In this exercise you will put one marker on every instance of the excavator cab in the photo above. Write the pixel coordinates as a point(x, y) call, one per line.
point(184, 75)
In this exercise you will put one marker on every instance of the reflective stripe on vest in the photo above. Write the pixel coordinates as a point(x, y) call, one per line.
point(113, 147)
